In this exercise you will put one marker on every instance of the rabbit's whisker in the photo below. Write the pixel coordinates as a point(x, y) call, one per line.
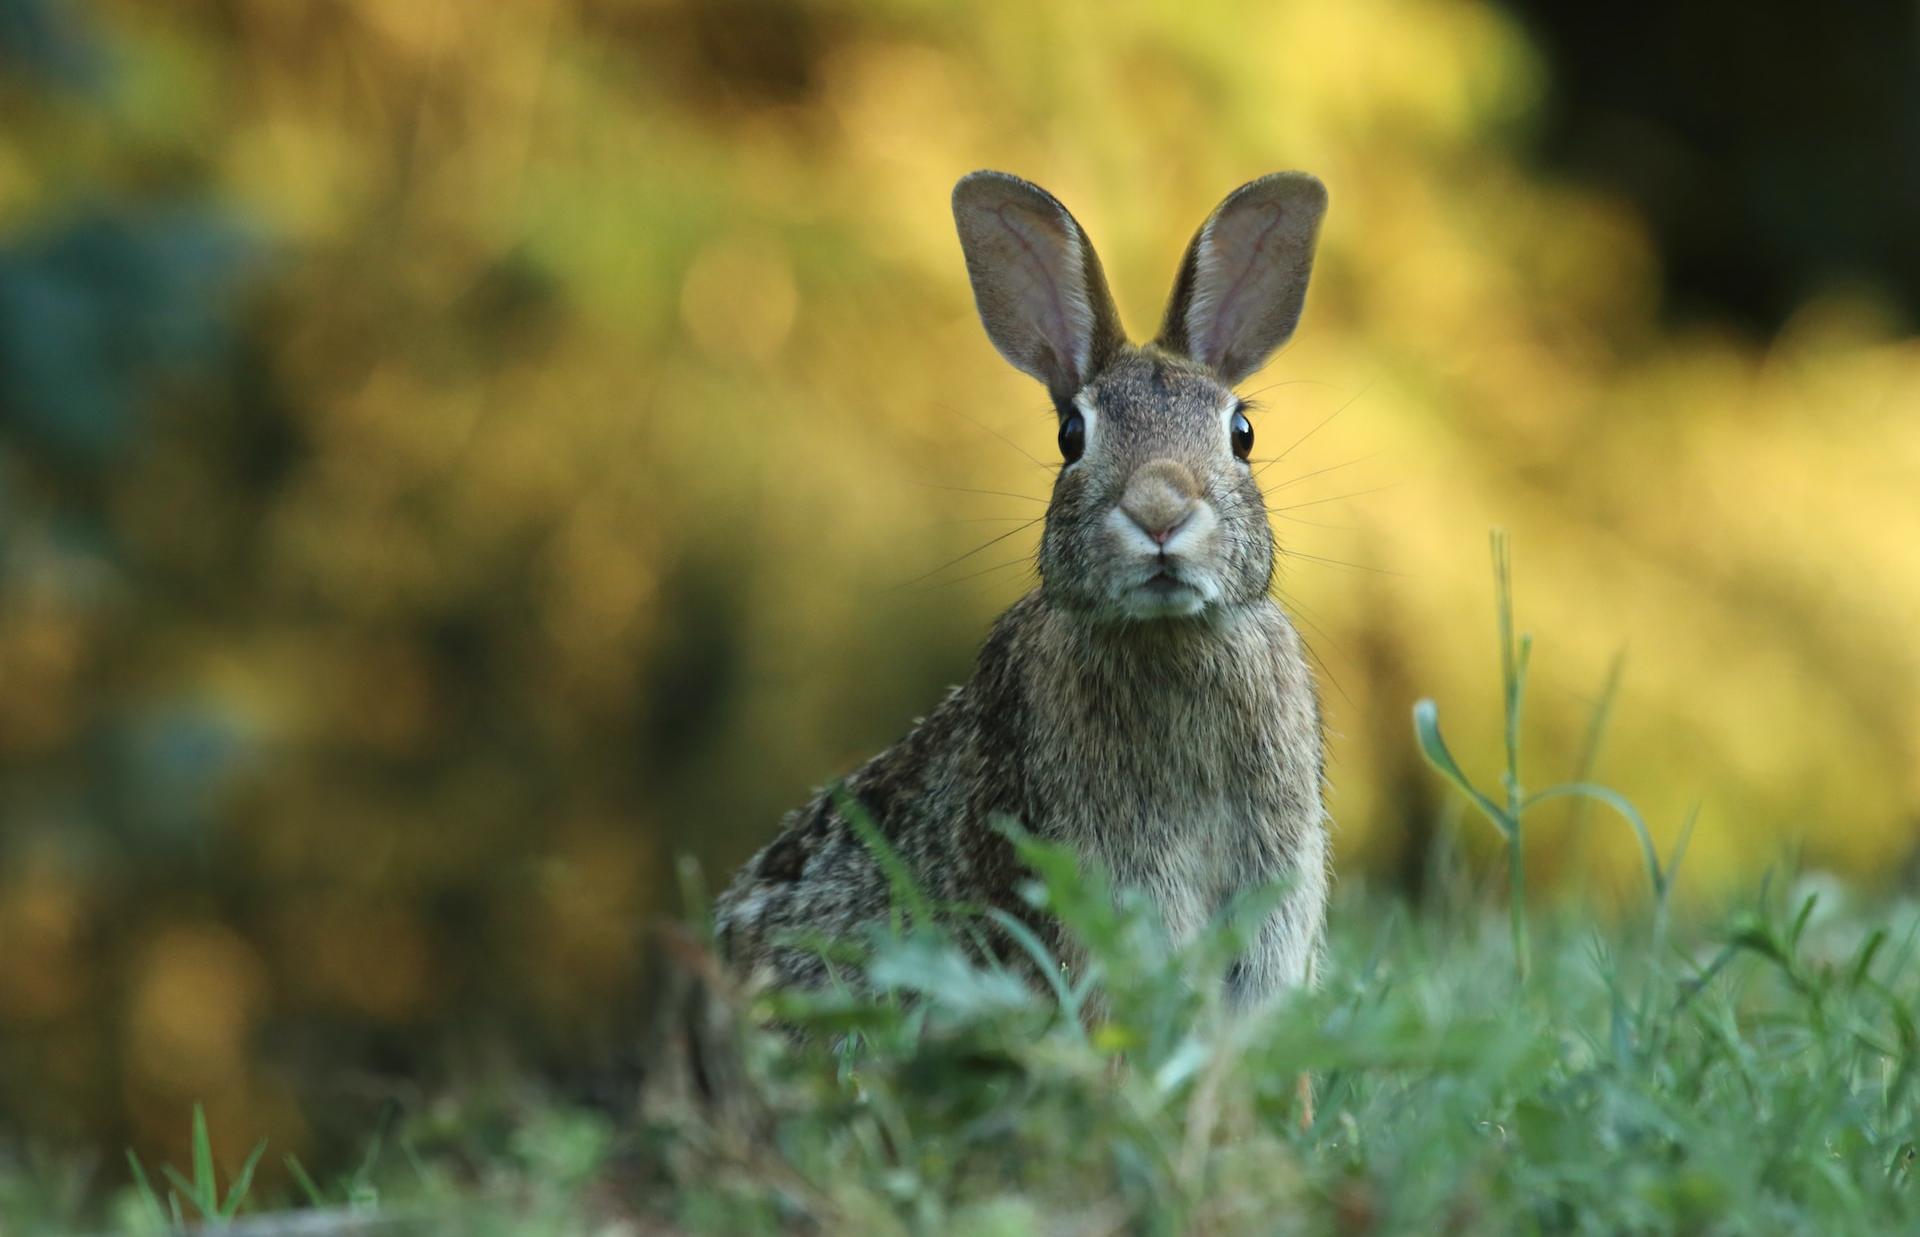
point(1323, 422)
point(1041, 464)
point(1290, 382)
point(984, 571)
point(961, 489)
point(1334, 498)
point(1305, 476)
point(991, 541)
point(1338, 562)
point(1313, 619)
point(1294, 608)
point(1294, 519)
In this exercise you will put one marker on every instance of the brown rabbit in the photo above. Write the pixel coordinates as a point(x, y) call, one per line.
point(1149, 705)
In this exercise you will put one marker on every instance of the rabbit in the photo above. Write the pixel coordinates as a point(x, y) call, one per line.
point(1148, 705)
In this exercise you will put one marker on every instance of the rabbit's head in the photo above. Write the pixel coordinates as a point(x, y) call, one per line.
point(1155, 513)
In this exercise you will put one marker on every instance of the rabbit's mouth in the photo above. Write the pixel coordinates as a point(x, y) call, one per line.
point(1165, 593)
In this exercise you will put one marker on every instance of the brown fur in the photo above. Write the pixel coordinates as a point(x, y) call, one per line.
point(1148, 705)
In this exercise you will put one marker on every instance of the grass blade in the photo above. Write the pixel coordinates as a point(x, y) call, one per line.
point(1626, 811)
point(1043, 960)
point(304, 1179)
point(144, 1188)
point(206, 1194)
point(906, 890)
point(243, 1182)
point(1426, 730)
point(182, 1186)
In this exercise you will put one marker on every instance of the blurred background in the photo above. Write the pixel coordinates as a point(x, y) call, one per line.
point(457, 458)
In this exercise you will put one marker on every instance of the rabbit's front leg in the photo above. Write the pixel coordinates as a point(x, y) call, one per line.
point(1285, 950)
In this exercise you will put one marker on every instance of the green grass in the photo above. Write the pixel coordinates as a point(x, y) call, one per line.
point(1757, 1076)
point(200, 1197)
point(1475, 1068)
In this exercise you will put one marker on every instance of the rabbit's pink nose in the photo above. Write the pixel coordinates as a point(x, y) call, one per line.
point(1161, 497)
point(1164, 533)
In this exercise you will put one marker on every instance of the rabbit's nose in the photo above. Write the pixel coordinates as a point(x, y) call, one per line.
point(1160, 498)
point(1161, 533)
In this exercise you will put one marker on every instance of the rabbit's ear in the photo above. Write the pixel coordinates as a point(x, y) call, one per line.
point(1244, 279)
point(1036, 281)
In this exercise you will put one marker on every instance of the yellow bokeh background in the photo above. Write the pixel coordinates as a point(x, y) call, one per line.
point(639, 398)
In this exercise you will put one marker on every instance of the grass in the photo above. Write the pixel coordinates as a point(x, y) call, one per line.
point(1476, 1068)
point(202, 1195)
point(1508, 817)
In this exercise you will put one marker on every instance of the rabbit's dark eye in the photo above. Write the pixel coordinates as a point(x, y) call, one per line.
point(1073, 437)
point(1240, 431)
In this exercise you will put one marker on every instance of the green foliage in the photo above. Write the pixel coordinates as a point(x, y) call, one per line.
point(1756, 1081)
point(1515, 655)
point(1760, 1080)
point(375, 620)
point(456, 457)
point(201, 1193)
point(1753, 1073)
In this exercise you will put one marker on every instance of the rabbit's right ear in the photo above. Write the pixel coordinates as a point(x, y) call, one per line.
point(1036, 280)
point(1244, 280)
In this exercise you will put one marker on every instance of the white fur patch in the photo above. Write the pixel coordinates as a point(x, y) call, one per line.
point(1090, 415)
point(1226, 415)
point(1241, 269)
point(1074, 295)
point(1201, 319)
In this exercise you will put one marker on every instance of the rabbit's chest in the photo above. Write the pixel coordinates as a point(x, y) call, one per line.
point(1189, 771)
point(1186, 822)
point(1178, 759)
point(1189, 857)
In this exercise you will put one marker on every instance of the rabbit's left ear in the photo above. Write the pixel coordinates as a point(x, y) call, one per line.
point(1242, 284)
point(1036, 280)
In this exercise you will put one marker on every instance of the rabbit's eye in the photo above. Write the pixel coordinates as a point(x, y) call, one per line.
point(1240, 431)
point(1073, 437)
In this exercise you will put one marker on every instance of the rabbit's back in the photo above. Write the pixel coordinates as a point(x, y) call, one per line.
point(932, 796)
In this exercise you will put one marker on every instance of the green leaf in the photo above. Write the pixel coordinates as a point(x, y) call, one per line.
point(1801, 920)
point(936, 969)
point(1618, 802)
point(1043, 960)
point(237, 1194)
point(206, 1194)
point(1863, 964)
point(906, 891)
point(144, 1187)
point(304, 1180)
point(208, 1209)
point(1426, 729)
